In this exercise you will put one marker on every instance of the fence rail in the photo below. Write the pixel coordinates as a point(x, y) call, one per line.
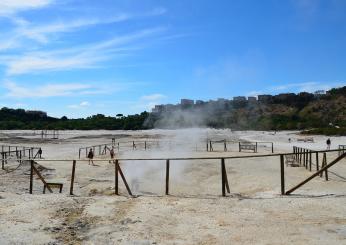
point(342, 149)
point(224, 178)
point(102, 149)
point(20, 152)
point(253, 146)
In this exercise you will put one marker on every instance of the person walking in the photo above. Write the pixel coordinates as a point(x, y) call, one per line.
point(328, 143)
point(111, 152)
point(91, 156)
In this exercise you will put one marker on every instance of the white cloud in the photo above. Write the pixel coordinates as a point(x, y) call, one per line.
point(254, 93)
point(150, 105)
point(8, 7)
point(47, 90)
point(35, 62)
point(147, 102)
point(42, 33)
point(83, 104)
point(153, 97)
point(8, 44)
point(77, 57)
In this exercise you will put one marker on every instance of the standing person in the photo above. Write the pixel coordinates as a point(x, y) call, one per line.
point(112, 154)
point(328, 143)
point(91, 156)
point(39, 153)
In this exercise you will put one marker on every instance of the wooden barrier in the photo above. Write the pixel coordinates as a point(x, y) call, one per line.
point(304, 157)
point(33, 170)
point(306, 139)
point(45, 133)
point(103, 149)
point(248, 146)
point(342, 149)
point(211, 142)
point(323, 169)
point(224, 179)
point(19, 152)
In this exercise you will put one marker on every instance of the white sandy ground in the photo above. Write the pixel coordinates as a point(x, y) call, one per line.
point(194, 212)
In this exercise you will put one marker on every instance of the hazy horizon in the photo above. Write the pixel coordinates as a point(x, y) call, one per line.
point(79, 58)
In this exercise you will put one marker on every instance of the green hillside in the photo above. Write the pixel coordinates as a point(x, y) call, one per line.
point(314, 113)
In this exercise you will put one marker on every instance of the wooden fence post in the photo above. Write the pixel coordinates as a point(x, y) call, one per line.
point(116, 186)
point(167, 177)
point(317, 162)
point(124, 180)
point(223, 179)
point(3, 160)
point(282, 174)
point(31, 175)
point(325, 164)
point(226, 178)
point(72, 176)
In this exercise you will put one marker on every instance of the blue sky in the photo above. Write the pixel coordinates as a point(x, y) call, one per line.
point(80, 57)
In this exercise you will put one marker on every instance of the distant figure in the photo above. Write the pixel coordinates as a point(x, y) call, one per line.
point(91, 156)
point(328, 143)
point(289, 140)
point(112, 153)
point(39, 153)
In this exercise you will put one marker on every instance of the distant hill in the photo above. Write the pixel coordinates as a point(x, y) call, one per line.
point(315, 113)
point(279, 112)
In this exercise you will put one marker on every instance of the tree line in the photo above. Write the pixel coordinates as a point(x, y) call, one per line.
point(325, 113)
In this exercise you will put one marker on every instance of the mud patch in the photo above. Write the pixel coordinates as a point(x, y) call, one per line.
point(74, 224)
